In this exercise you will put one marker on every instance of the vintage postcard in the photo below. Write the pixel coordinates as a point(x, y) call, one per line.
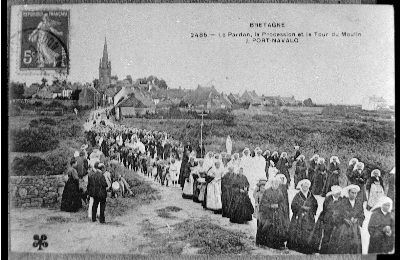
point(208, 130)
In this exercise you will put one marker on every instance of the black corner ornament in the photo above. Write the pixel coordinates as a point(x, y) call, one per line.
point(40, 241)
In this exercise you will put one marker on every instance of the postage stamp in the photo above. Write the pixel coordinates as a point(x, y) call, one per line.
point(44, 40)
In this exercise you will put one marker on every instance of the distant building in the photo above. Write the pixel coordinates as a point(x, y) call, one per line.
point(89, 97)
point(110, 94)
point(374, 103)
point(104, 69)
point(132, 106)
point(44, 93)
point(251, 97)
point(235, 98)
point(207, 98)
point(289, 101)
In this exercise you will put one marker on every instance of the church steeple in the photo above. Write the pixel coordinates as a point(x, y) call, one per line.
point(105, 53)
point(104, 68)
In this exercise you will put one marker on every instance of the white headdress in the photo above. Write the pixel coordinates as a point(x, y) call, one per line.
point(301, 156)
point(352, 161)
point(303, 181)
point(321, 160)
point(283, 154)
point(274, 153)
point(358, 164)
point(246, 149)
point(334, 157)
point(350, 187)
point(334, 189)
point(315, 156)
point(376, 171)
point(266, 151)
point(281, 177)
point(381, 201)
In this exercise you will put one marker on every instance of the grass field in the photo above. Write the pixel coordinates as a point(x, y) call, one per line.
point(369, 136)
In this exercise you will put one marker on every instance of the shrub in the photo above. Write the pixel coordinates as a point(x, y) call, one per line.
point(15, 110)
point(212, 238)
point(42, 121)
point(33, 140)
point(30, 165)
point(58, 160)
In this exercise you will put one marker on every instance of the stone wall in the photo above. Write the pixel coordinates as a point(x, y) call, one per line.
point(36, 191)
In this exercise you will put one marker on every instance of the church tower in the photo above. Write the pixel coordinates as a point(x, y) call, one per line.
point(104, 69)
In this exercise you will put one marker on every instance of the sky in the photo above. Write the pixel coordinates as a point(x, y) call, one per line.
point(154, 39)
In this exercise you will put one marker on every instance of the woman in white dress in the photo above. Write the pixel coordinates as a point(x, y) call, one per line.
point(235, 162)
point(213, 199)
point(257, 172)
point(174, 169)
point(374, 188)
point(272, 170)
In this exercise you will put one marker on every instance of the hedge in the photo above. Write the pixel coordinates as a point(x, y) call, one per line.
point(30, 165)
point(33, 140)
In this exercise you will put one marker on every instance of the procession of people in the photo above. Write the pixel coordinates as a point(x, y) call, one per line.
point(246, 187)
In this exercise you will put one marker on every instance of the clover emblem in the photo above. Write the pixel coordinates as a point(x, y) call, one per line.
point(40, 241)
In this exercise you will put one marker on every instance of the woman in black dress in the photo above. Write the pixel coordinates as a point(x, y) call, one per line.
point(304, 207)
point(272, 223)
point(71, 197)
point(241, 209)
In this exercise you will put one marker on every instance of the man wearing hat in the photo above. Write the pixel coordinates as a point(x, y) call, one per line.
point(346, 237)
point(97, 188)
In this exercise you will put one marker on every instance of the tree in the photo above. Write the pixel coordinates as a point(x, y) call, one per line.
point(95, 83)
point(44, 81)
point(162, 84)
point(129, 79)
point(308, 102)
point(75, 94)
point(183, 104)
point(16, 90)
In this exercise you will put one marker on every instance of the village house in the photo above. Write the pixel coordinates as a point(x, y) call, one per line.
point(235, 98)
point(110, 94)
point(131, 106)
point(251, 97)
point(289, 101)
point(206, 98)
point(374, 103)
point(89, 97)
point(44, 93)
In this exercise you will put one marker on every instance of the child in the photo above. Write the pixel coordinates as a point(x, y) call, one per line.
point(153, 163)
point(258, 195)
point(148, 165)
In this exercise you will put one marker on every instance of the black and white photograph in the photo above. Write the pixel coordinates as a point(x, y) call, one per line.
point(201, 129)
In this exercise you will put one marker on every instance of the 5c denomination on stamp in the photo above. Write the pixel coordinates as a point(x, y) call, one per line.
point(44, 41)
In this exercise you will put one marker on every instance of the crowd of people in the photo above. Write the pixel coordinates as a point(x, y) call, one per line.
point(251, 186)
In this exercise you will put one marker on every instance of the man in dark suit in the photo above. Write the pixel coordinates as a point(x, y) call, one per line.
point(97, 188)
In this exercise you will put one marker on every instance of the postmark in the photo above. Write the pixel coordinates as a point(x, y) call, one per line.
point(44, 40)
